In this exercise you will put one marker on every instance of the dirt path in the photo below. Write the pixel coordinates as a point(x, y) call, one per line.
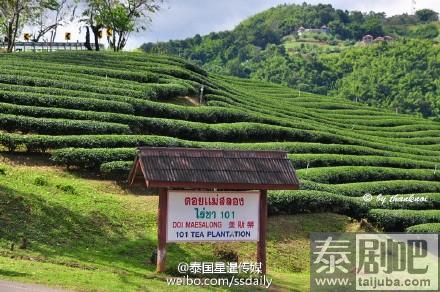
point(7, 286)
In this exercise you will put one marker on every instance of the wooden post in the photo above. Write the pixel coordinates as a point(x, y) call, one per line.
point(261, 245)
point(162, 230)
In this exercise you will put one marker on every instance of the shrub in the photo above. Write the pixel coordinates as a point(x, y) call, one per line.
point(117, 169)
point(399, 220)
point(25, 124)
point(10, 142)
point(428, 227)
point(346, 174)
point(90, 104)
point(375, 188)
point(304, 201)
point(40, 181)
point(321, 160)
point(68, 189)
point(91, 158)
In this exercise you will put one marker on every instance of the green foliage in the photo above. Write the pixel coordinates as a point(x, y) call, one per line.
point(427, 15)
point(69, 109)
point(40, 181)
point(428, 227)
point(346, 174)
point(68, 189)
point(307, 201)
point(91, 158)
point(226, 51)
point(401, 75)
point(378, 75)
point(25, 124)
point(116, 168)
point(357, 189)
point(429, 31)
point(123, 18)
point(399, 220)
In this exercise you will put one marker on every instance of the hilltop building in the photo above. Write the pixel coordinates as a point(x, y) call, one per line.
point(368, 39)
point(324, 29)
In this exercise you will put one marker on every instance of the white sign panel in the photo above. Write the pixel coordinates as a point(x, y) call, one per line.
point(212, 216)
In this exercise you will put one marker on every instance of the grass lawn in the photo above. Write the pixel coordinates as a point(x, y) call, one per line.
point(89, 234)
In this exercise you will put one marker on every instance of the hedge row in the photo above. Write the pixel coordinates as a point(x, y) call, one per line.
point(144, 77)
point(238, 132)
point(42, 143)
point(137, 124)
point(91, 158)
point(146, 90)
point(177, 68)
point(65, 98)
point(417, 134)
point(117, 169)
point(90, 104)
point(140, 140)
point(427, 227)
point(306, 201)
point(63, 92)
point(100, 84)
point(165, 91)
point(351, 136)
point(324, 160)
point(399, 220)
point(347, 174)
point(13, 123)
point(85, 86)
point(375, 188)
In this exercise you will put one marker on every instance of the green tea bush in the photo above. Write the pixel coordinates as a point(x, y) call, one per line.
point(399, 220)
point(24, 124)
point(375, 188)
point(428, 228)
point(90, 104)
point(91, 158)
point(304, 201)
point(346, 174)
point(119, 169)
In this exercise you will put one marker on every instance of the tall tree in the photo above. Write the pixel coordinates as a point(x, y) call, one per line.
point(92, 20)
point(15, 13)
point(12, 13)
point(427, 15)
point(49, 17)
point(124, 17)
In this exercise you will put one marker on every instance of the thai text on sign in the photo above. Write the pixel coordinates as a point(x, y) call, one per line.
point(212, 216)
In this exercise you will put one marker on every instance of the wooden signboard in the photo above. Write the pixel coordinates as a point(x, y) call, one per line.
point(209, 216)
point(191, 207)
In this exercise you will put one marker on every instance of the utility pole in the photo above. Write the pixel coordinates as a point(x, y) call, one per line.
point(201, 94)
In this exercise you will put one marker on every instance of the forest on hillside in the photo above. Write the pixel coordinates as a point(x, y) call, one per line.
point(402, 74)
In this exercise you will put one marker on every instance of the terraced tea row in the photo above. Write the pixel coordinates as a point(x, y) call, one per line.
point(92, 110)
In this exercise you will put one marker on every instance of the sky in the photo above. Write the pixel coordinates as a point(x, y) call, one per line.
point(179, 19)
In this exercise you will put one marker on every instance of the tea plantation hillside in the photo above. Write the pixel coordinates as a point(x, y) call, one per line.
point(91, 111)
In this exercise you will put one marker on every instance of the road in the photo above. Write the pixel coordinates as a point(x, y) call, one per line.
point(7, 286)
